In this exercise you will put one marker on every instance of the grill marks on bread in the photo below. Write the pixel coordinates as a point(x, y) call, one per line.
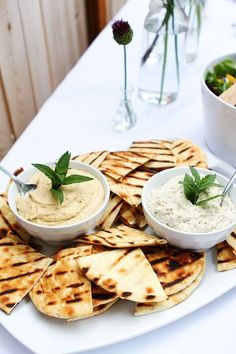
point(121, 236)
point(20, 269)
point(226, 258)
point(175, 268)
point(63, 291)
point(92, 158)
point(125, 272)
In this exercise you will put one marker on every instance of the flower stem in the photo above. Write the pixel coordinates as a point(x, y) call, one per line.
point(176, 48)
point(125, 74)
point(164, 61)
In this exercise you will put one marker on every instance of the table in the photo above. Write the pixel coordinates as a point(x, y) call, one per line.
point(77, 117)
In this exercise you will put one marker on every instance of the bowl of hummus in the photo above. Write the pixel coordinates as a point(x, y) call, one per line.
point(45, 218)
point(182, 223)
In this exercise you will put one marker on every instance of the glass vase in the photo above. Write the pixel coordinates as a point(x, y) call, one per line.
point(194, 11)
point(125, 117)
point(159, 75)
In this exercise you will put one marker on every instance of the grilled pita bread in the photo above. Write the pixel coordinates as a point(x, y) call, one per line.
point(188, 153)
point(163, 156)
point(97, 310)
point(114, 205)
point(231, 240)
point(131, 186)
point(119, 164)
point(175, 268)
point(122, 236)
point(125, 272)
point(92, 158)
point(226, 259)
point(132, 216)
point(146, 308)
point(101, 296)
point(8, 221)
point(21, 268)
point(63, 291)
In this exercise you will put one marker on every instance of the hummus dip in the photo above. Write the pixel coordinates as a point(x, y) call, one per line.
point(81, 200)
point(169, 205)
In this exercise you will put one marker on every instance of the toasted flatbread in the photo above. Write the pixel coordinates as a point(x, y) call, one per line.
point(125, 272)
point(118, 164)
point(231, 240)
point(146, 308)
point(132, 216)
point(175, 268)
point(122, 236)
point(112, 210)
point(131, 186)
point(103, 307)
point(226, 259)
point(188, 153)
point(92, 158)
point(8, 221)
point(163, 156)
point(101, 296)
point(63, 291)
point(21, 268)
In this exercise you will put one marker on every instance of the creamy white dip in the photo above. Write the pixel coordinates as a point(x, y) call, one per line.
point(169, 205)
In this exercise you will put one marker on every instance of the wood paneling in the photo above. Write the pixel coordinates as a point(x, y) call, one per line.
point(40, 41)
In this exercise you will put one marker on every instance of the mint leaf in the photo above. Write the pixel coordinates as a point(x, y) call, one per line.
point(76, 179)
point(58, 194)
point(62, 164)
point(195, 173)
point(204, 201)
point(47, 171)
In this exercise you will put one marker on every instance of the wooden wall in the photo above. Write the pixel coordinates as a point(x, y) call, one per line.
point(40, 41)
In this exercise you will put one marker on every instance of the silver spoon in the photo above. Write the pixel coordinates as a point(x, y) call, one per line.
point(227, 187)
point(23, 188)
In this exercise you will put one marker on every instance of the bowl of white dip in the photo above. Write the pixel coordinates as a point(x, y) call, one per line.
point(172, 216)
point(45, 218)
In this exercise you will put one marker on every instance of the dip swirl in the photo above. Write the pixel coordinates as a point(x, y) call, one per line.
point(169, 205)
point(81, 200)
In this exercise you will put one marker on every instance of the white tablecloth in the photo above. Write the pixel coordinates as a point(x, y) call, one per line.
point(77, 117)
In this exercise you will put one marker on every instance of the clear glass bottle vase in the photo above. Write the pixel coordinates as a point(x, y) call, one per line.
point(159, 75)
point(125, 117)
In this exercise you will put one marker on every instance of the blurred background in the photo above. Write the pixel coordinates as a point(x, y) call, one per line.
point(40, 41)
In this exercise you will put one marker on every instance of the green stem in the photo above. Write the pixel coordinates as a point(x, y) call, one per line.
point(199, 18)
point(164, 61)
point(176, 48)
point(125, 74)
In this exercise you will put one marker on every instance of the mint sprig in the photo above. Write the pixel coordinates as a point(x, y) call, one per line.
point(195, 185)
point(59, 177)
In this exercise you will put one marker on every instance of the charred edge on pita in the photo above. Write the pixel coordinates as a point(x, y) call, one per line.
point(85, 269)
point(9, 291)
point(227, 260)
point(126, 294)
point(11, 244)
point(75, 285)
point(21, 275)
point(233, 234)
point(78, 299)
point(11, 305)
point(160, 260)
point(150, 297)
point(51, 303)
point(176, 281)
point(102, 296)
point(61, 272)
point(23, 263)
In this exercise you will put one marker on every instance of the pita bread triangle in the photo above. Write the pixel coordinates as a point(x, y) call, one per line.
point(231, 240)
point(188, 153)
point(118, 164)
point(125, 272)
point(226, 259)
point(21, 268)
point(121, 236)
point(92, 158)
point(101, 296)
point(112, 210)
point(175, 268)
point(63, 291)
point(146, 308)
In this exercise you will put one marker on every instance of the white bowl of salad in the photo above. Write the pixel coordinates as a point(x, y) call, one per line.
point(219, 116)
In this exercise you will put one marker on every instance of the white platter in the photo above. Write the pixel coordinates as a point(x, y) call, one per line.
point(44, 335)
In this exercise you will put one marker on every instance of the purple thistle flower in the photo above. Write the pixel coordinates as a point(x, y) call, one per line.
point(122, 32)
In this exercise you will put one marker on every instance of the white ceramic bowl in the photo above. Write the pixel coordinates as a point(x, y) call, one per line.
point(187, 240)
point(63, 233)
point(220, 119)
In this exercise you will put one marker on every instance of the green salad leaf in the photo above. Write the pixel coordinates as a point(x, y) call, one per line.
point(218, 80)
point(195, 185)
point(59, 177)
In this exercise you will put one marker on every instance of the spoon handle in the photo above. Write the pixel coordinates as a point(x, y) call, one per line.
point(7, 173)
point(227, 187)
